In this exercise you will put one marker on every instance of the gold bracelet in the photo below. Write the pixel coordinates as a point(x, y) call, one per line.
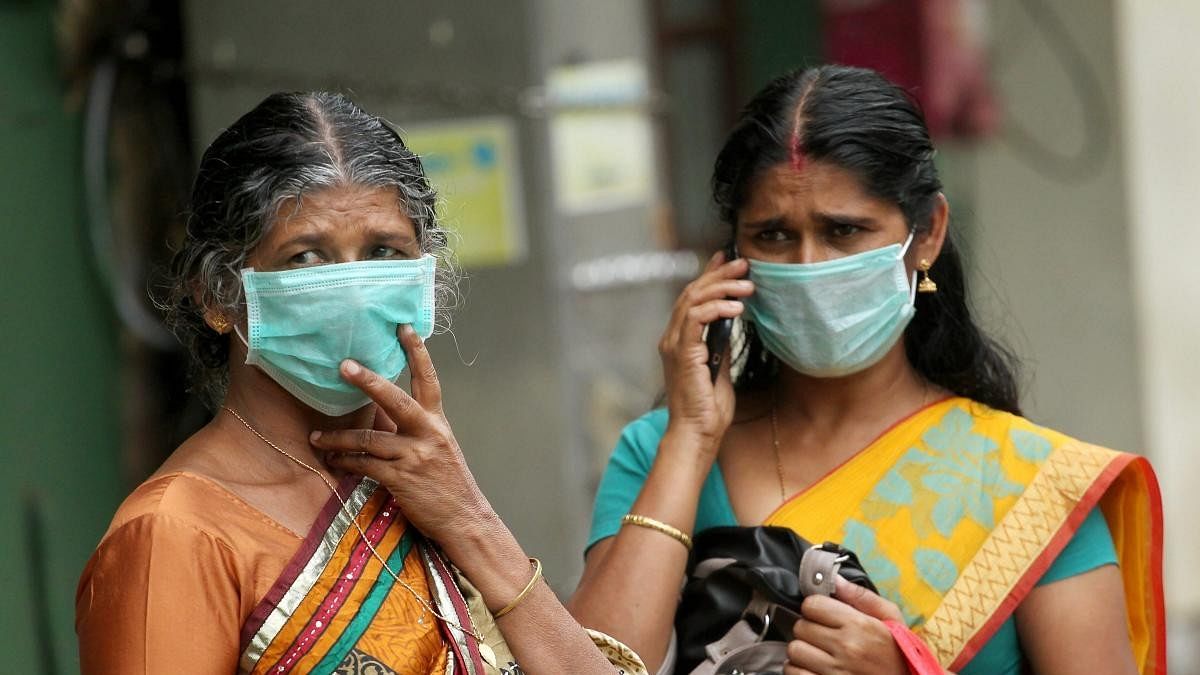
point(537, 576)
point(658, 526)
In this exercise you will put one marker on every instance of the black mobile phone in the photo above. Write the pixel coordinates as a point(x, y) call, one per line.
point(717, 337)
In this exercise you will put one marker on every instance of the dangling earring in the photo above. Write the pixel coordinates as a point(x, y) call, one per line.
point(926, 285)
point(217, 322)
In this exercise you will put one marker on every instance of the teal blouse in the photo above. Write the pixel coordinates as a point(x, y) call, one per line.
point(1091, 547)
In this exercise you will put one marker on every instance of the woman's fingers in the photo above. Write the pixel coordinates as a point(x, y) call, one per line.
point(726, 279)
point(715, 285)
point(383, 422)
point(827, 611)
point(358, 464)
point(815, 634)
point(714, 261)
point(722, 288)
point(722, 283)
point(395, 402)
point(701, 315)
point(809, 657)
point(865, 601)
point(425, 386)
point(735, 269)
point(381, 444)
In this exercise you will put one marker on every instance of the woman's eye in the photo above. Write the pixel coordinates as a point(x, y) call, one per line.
point(306, 258)
point(772, 235)
point(843, 230)
point(384, 252)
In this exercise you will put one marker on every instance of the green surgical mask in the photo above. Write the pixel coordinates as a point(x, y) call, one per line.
point(303, 323)
point(836, 317)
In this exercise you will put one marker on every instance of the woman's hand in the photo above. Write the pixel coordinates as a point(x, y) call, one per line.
point(697, 407)
point(845, 635)
point(411, 451)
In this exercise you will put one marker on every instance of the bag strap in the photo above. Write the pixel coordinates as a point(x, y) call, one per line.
point(709, 565)
point(738, 636)
point(818, 569)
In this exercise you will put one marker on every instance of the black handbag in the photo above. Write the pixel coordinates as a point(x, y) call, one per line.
point(743, 593)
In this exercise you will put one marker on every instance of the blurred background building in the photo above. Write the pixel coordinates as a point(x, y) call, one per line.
point(573, 142)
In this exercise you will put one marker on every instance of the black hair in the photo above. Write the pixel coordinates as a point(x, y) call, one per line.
point(291, 144)
point(857, 120)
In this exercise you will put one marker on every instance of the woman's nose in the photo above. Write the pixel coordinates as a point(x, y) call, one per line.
point(348, 254)
point(808, 250)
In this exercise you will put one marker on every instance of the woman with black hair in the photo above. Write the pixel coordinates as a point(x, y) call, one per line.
point(324, 520)
point(864, 406)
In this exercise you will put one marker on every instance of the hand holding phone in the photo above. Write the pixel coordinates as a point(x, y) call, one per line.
point(699, 334)
point(719, 331)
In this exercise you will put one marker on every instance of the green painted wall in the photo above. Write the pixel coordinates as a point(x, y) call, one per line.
point(59, 390)
point(775, 37)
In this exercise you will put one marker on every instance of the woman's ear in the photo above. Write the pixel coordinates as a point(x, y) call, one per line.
point(928, 245)
point(216, 319)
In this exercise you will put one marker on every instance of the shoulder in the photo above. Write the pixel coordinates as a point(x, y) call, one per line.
point(166, 579)
point(182, 533)
point(653, 423)
point(1091, 546)
point(627, 469)
point(180, 497)
point(176, 494)
point(1013, 448)
point(1029, 440)
point(988, 417)
point(175, 510)
point(185, 505)
point(639, 439)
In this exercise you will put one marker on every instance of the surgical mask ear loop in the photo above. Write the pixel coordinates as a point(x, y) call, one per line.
point(912, 282)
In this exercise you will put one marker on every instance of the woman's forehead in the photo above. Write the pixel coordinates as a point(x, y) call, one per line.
point(817, 185)
point(342, 209)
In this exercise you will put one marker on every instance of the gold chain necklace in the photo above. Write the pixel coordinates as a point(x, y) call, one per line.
point(426, 607)
point(775, 443)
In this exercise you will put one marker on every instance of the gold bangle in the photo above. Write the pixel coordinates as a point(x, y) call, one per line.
point(658, 526)
point(537, 575)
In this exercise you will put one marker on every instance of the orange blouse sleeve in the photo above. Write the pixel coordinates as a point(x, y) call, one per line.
point(159, 596)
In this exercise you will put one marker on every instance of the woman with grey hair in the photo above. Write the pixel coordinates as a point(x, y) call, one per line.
point(324, 520)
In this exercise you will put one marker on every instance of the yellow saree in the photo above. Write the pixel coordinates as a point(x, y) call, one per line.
point(957, 511)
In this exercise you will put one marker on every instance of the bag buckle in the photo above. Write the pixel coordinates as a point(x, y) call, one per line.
point(762, 634)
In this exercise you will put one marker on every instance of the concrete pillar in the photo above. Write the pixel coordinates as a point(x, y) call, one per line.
point(1158, 62)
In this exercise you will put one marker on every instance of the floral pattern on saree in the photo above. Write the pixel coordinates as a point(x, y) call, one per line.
point(957, 511)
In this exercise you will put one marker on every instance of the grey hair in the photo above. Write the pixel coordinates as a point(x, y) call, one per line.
point(290, 145)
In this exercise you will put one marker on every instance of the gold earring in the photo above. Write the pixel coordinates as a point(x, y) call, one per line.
point(217, 322)
point(926, 285)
